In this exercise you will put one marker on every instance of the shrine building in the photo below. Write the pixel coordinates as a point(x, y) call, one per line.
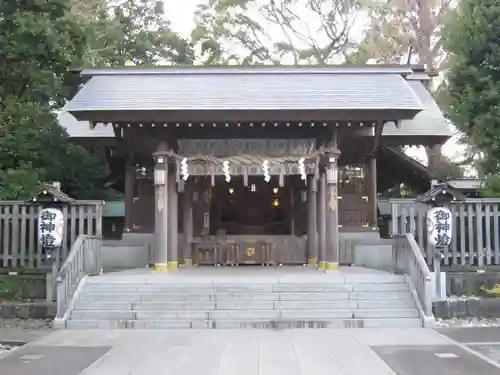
point(255, 165)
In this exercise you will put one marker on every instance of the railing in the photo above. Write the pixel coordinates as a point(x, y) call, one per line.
point(476, 230)
point(19, 245)
point(83, 259)
point(408, 259)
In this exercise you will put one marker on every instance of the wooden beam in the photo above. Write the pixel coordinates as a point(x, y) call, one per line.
point(379, 128)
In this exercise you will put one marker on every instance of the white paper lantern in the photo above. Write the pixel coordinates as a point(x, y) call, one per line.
point(50, 227)
point(439, 226)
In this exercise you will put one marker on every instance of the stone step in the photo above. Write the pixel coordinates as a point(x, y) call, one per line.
point(243, 288)
point(235, 324)
point(250, 305)
point(87, 296)
point(242, 314)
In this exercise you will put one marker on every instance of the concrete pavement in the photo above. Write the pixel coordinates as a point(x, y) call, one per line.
point(411, 351)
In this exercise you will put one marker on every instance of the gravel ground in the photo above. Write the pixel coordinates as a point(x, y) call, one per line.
point(31, 324)
point(468, 322)
point(4, 348)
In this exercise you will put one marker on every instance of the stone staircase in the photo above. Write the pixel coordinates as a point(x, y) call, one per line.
point(175, 301)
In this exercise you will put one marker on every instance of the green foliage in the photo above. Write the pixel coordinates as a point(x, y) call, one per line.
point(39, 43)
point(132, 32)
point(22, 287)
point(446, 170)
point(473, 90)
point(492, 187)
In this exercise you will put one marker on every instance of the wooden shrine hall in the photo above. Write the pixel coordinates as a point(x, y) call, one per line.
point(256, 165)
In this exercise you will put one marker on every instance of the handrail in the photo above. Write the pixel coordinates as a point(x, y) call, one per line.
point(83, 259)
point(408, 259)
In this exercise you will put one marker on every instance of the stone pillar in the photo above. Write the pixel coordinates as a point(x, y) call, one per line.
point(372, 196)
point(322, 222)
point(161, 209)
point(173, 230)
point(312, 249)
point(187, 225)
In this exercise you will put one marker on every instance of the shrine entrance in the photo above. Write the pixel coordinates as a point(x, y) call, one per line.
point(257, 209)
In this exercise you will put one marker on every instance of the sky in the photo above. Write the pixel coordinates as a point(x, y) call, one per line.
point(180, 13)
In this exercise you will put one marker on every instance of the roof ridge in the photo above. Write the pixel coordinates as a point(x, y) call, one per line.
point(230, 70)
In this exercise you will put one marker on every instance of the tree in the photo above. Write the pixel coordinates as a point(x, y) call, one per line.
point(40, 41)
point(130, 31)
point(273, 32)
point(473, 79)
point(407, 31)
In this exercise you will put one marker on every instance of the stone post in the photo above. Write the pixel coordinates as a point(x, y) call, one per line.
point(173, 230)
point(312, 249)
point(161, 208)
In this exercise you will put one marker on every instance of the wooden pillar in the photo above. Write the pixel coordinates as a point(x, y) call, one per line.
point(332, 218)
point(312, 250)
point(129, 192)
point(173, 220)
point(161, 209)
point(322, 222)
point(372, 196)
point(187, 225)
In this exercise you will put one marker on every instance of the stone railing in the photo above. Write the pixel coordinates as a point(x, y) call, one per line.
point(84, 259)
point(408, 260)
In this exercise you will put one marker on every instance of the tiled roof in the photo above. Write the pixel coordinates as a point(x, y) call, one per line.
point(429, 122)
point(187, 89)
point(81, 129)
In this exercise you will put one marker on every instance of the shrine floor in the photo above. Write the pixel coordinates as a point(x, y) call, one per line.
point(408, 351)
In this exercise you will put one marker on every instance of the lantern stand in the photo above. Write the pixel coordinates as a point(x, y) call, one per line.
point(439, 196)
point(51, 197)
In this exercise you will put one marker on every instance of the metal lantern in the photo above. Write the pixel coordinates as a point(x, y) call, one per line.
point(160, 173)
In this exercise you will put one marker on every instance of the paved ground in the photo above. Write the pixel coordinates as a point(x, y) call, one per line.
point(484, 341)
point(246, 352)
point(23, 331)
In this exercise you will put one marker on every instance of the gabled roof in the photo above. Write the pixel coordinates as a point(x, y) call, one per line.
point(429, 122)
point(81, 129)
point(50, 193)
point(395, 167)
point(238, 88)
point(441, 193)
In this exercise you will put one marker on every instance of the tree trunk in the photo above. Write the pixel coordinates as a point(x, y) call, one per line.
point(434, 157)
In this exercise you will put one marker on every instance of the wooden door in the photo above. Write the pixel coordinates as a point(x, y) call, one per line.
point(143, 206)
point(353, 205)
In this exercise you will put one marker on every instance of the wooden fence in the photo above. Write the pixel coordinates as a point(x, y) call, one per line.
point(19, 245)
point(476, 230)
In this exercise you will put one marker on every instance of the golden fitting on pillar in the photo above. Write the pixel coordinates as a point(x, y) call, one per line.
point(322, 265)
point(172, 265)
point(188, 262)
point(160, 267)
point(312, 261)
point(332, 266)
